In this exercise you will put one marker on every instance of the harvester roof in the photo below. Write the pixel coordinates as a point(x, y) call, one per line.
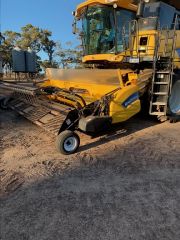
point(128, 4)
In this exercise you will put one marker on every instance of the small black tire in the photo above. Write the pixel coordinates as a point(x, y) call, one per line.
point(67, 142)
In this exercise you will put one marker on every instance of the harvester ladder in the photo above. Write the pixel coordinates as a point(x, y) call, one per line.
point(163, 71)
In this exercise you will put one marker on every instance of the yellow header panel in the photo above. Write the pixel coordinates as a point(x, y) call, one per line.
point(127, 4)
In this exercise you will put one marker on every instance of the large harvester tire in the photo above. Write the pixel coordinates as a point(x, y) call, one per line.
point(67, 142)
point(174, 102)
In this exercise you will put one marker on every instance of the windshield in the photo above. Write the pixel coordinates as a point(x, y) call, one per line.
point(103, 29)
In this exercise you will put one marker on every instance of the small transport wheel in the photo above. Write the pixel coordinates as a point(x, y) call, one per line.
point(67, 142)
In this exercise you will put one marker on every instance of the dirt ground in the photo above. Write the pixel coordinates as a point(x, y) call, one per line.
point(124, 185)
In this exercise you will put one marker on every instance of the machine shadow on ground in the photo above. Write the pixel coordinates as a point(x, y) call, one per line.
point(94, 203)
point(117, 131)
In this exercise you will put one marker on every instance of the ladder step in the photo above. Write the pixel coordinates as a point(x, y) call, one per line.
point(160, 93)
point(163, 61)
point(166, 58)
point(161, 83)
point(159, 103)
point(157, 113)
point(163, 72)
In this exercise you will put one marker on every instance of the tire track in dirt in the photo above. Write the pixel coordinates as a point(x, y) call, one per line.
point(10, 182)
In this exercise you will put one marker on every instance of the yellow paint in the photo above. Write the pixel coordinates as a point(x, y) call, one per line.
point(120, 113)
point(152, 39)
point(149, 48)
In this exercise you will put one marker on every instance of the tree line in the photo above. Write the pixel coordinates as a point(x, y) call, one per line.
point(39, 40)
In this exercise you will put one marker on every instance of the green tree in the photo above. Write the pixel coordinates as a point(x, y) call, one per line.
point(30, 38)
point(69, 57)
point(10, 41)
point(48, 45)
point(38, 40)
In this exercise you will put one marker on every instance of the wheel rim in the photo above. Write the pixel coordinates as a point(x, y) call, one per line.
point(70, 144)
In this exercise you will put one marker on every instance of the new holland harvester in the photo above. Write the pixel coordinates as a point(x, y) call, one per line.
point(132, 54)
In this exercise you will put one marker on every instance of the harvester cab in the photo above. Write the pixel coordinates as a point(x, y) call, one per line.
point(105, 30)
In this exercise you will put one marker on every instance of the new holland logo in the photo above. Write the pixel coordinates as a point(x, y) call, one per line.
point(131, 99)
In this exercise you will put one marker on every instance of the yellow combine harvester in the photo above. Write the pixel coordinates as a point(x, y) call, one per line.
point(122, 45)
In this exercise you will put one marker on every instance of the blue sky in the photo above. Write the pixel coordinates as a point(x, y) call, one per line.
point(55, 15)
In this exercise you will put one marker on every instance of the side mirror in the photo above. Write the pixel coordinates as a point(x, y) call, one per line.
point(74, 26)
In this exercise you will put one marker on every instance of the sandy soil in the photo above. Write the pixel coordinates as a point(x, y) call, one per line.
point(124, 185)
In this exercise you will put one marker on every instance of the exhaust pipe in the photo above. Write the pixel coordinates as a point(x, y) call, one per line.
point(140, 9)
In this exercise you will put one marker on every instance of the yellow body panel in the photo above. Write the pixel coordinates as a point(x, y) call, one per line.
point(86, 82)
point(146, 52)
point(118, 112)
point(91, 84)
